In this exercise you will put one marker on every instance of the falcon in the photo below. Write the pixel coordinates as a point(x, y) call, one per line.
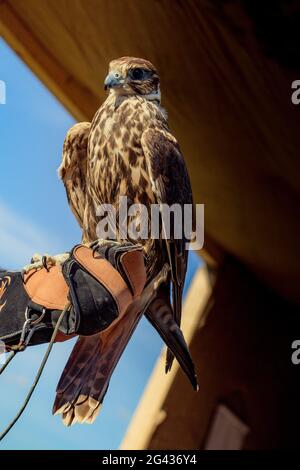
point(127, 150)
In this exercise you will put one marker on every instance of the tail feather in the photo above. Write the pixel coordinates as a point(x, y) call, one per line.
point(85, 379)
point(179, 257)
point(177, 308)
point(160, 315)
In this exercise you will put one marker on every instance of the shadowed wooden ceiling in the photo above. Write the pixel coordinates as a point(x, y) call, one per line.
point(226, 83)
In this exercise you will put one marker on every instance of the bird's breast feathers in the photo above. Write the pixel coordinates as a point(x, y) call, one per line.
point(116, 161)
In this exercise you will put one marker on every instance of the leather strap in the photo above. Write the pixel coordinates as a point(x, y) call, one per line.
point(47, 288)
point(104, 272)
point(134, 267)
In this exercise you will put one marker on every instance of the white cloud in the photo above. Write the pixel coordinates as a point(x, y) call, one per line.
point(20, 238)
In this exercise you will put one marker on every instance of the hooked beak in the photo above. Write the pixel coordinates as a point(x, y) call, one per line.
point(112, 81)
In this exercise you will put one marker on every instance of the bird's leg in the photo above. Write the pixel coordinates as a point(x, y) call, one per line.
point(46, 261)
point(35, 263)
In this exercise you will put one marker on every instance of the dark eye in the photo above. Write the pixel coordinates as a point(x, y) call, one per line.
point(137, 74)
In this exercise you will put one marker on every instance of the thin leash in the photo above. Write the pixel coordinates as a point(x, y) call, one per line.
point(10, 358)
point(38, 375)
point(23, 342)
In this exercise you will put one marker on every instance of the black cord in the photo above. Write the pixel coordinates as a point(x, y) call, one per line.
point(38, 375)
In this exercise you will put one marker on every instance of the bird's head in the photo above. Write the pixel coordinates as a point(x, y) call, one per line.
point(132, 76)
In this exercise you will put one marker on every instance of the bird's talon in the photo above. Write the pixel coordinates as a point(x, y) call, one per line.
point(44, 262)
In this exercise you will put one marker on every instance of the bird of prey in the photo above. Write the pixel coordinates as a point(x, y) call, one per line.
point(127, 150)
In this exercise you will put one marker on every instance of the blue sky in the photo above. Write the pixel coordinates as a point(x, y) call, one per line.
point(34, 217)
